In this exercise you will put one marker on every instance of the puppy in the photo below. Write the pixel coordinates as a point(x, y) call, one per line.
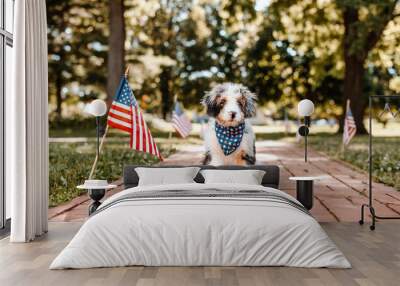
point(229, 138)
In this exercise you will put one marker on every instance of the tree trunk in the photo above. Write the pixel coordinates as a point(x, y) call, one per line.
point(59, 85)
point(166, 103)
point(353, 90)
point(355, 57)
point(116, 49)
point(354, 72)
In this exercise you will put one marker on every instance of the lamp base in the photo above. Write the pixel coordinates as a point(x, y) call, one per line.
point(96, 195)
point(303, 130)
point(304, 193)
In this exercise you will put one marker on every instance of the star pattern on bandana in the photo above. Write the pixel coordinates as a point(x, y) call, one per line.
point(229, 138)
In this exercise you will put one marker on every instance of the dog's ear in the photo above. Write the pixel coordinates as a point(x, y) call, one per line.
point(249, 102)
point(211, 101)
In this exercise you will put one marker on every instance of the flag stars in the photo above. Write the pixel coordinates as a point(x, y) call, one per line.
point(229, 138)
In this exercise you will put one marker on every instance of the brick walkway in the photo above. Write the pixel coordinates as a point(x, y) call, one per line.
point(336, 198)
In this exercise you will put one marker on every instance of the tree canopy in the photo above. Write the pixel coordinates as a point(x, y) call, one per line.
point(325, 50)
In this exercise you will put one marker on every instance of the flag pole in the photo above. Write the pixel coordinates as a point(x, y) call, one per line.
point(103, 139)
point(127, 71)
point(97, 155)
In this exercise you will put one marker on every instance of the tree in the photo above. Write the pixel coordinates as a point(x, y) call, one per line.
point(336, 39)
point(57, 22)
point(76, 51)
point(295, 56)
point(116, 47)
point(323, 50)
point(187, 46)
point(364, 23)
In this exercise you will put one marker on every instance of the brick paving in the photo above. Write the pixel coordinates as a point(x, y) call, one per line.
point(337, 198)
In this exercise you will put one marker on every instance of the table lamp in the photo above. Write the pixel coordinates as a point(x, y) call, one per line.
point(305, 108)
point(97, 108)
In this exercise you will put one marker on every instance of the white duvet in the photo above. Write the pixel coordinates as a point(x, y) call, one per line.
point(200, 231)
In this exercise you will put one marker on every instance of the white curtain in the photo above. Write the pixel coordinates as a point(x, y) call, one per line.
point(27, 123)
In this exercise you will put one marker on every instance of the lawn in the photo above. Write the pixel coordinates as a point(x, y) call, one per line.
point(70, 165)
point(386, 155)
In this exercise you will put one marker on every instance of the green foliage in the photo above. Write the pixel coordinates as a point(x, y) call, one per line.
point(302, 45)
point(386, 158)
point(370, 18)
point(291, 50)
point(70, 165)
point(77, 49)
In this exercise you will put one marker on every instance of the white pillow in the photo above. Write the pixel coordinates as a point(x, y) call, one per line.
point(248, 177)
point(166, 176)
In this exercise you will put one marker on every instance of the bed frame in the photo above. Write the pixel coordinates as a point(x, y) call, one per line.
point(270, 179)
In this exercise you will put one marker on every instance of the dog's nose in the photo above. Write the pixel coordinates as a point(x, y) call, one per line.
point(233, 114)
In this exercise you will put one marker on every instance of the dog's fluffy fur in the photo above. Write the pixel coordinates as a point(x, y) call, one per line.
point(229, 104)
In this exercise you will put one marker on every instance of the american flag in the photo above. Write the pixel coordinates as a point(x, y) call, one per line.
point(180, 121)
point(125, 115)
point(350, 128)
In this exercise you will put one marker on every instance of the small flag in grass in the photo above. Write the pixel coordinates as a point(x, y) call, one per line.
point(350, 128)
point(180, 121)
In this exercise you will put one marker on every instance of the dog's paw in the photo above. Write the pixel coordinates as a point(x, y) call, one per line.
point(248, 159)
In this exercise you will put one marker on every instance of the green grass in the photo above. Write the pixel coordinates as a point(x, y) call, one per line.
point(70, 165)
point(385, 160)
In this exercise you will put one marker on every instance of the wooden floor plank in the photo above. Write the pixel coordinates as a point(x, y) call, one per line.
point(375, 257)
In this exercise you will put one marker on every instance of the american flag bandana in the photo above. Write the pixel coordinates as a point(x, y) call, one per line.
point(229, 138)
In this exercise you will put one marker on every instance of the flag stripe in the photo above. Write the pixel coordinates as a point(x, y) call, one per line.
point(181, 125)
point(150, 141)
point(121, 118)
point(182, 120)
point(181, 130)
point(122, 114)
point(117, 126)
point(120, 105)
point(146, 136)
point(134, 139)
point(120, 122)
point(140, 130)
point(120, 109)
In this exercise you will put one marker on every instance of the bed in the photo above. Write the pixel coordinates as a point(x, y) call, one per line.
point(198, 224)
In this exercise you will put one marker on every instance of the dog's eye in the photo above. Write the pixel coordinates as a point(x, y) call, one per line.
point(241, 102)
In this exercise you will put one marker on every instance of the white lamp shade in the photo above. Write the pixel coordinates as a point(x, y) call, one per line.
point(97, 108)
point(305, 107)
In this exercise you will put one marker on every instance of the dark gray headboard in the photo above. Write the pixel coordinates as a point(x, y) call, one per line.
point(271, 177)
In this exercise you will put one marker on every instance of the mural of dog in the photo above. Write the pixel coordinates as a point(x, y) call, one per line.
point(229, 138)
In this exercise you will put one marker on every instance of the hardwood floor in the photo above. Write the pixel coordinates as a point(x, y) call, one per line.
point(375, 257)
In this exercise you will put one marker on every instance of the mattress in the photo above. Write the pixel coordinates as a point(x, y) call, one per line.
point(201, 225)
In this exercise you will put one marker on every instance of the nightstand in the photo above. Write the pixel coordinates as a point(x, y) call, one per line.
point(305, 190)
point(96, 193)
